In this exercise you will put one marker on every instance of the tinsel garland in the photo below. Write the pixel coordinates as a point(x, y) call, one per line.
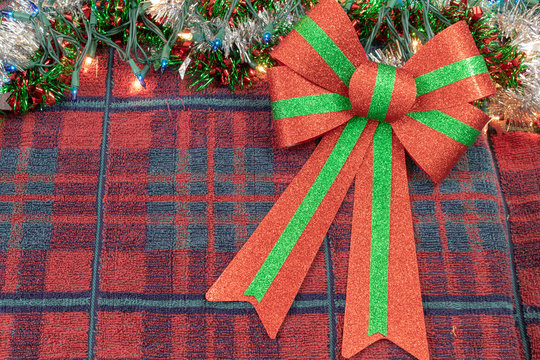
point(518, 107)
point(44, 45)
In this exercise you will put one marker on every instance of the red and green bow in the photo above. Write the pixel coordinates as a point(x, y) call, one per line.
point(368, 114)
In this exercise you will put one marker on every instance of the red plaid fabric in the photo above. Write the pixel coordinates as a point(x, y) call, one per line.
point(519, 166)
point(49, 167)
point(119, 211)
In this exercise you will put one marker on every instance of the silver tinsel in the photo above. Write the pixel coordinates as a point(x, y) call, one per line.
point(18, 43)
point(4, 78)
point(247, 33)
point(522, 27)
point(168, 12)
point(64, 6)
point(21, 5)
point(389, 56)
point(515, 107)
point(239, 38)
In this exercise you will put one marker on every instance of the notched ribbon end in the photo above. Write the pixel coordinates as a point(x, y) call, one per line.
point(419, 351)
point(271, 330)
point(357, 344)
point(271, 320)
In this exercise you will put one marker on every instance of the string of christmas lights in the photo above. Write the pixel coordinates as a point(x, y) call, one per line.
point(45, 44)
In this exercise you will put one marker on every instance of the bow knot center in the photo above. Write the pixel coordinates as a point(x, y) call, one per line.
point(381, 92)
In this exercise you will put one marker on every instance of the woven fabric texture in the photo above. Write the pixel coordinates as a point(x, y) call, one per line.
point(119, 211)
point(518, 161)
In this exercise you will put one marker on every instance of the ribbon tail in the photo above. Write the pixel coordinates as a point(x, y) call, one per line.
point(242, 278)
point(395, 312)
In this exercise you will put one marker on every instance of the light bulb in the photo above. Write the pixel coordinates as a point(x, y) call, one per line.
point(495, 118)
point(74, 94)
point(185, 36)
point(261, 68)
point(415, 45)
point(267, 37)
point(164, 63)
point(7, 13)
point(140, 78)
point(136, 85)
point(34, 8)
point(216, 44)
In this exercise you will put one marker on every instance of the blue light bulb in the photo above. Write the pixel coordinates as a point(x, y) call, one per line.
point(74, 94)
point(266, 37)
point(216, 44)
point(35, 9)
point(141, 80)
point(10, 68)
point(164, 63)
point(7, 13)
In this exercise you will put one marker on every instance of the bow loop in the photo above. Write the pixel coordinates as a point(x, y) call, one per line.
point(436, 139)
point(323, 48)
point(449, 70)
point(303, 111)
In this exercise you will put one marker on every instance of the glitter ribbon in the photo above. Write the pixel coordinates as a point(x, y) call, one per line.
point(368, 114)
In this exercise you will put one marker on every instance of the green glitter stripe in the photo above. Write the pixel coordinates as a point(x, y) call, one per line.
point(382, 94)
point(447, 125)
point(281, 250)
point(449, 74)
point(326, 48)
point(309, 105)
point(380, 229)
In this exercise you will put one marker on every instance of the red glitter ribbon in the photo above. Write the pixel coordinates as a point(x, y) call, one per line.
point(368, 115)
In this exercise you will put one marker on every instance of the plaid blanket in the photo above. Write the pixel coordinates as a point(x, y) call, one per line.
point(119, 211)
point(519, 163)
